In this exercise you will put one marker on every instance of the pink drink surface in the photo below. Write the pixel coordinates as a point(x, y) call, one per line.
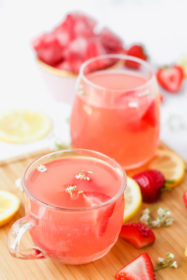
point(76, 236)
point(123, 125)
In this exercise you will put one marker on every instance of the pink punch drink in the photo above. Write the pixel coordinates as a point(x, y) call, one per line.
point(74, 206)
point(116, 110)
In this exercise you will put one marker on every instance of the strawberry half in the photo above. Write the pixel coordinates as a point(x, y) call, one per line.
point(185, 198)
point(171, 78)
point(139, 269)
point(150, 182)
point(137, 51)
point(138, 234)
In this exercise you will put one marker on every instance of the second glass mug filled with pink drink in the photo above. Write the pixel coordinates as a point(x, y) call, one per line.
point(74, 204)
point(116, 109)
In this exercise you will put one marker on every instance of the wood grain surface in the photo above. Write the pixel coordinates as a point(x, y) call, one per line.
point(172, 239)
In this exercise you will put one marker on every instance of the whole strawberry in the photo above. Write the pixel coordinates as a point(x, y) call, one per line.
point(136, 51)
point(150, 182)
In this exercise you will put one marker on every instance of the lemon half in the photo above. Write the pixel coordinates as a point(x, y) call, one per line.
point(9, 205)
point(133, 199)
point(171, 165)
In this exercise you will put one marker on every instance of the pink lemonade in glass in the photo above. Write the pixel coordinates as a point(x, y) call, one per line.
point(77, 199)
point(116, 111)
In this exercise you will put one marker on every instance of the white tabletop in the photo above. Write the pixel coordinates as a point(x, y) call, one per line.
point(159, 25)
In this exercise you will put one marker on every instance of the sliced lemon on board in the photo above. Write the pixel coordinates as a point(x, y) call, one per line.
point(133, 199)
point(170, 164)
point(23, 126)
point(9, 205)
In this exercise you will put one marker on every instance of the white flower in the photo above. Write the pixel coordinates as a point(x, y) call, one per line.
point(169, 222)
point(170, 255)
point(156, 223)
point(168, 213)
point(42, 168)
point(160, 260)
point(144, 218)
point(160, 211)
point(174, 264)
point(146, 211)
point(70, 190)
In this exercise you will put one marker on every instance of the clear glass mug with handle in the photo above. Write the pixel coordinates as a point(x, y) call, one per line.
point(117, 109)
point(69, 235)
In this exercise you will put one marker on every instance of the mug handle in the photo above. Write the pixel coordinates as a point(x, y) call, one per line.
point(14, 240)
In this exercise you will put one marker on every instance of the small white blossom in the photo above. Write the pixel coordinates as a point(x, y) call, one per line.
point(70, 190)
point(160, 211)
point(160, 260)
point(42, 168)
point(170, 255)
point(144, 218)
point(174, 264)
point(156, 223)
point(169, 222)
point(146, 211)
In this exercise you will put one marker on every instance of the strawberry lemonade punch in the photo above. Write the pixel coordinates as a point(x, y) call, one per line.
point(116, 109)
point(74, 206)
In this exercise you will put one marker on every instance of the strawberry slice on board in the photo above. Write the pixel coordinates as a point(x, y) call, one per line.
point(171, 78)
point(138, 234)
point(136, 51)
point(139, 269)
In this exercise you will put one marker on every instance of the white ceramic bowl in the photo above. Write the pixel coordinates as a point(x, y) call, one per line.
point(61, 83)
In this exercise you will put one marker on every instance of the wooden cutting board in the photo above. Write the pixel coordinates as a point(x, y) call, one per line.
point(172, 239)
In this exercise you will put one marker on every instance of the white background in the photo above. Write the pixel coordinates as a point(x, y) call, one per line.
point(160, 25)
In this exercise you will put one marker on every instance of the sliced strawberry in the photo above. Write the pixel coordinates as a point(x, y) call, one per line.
point(103, 214)
point(136, 51)
point(150, 115)
point(185, 198)
point(48, 48)
point(150, 182)
point(111, 42)
point(138, 234)
point(171, 78)
point(139, 269)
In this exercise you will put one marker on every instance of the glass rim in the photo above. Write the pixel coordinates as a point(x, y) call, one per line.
point(104, 157)
point(120, 57)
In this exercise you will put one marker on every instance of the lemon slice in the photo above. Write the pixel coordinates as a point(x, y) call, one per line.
point(171, 165)
point(23, 126)
point(9, 205)
point(183, 63)
point(133, 199)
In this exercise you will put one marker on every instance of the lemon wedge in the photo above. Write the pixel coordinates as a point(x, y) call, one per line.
point(171, 165)
point(23, 126)
point(133, 199)
point(9, 205)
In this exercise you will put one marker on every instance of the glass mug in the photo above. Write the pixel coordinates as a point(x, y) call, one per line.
point(69, 235)
point(116, 109)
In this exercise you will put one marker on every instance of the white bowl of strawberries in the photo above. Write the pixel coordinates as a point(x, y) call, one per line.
point(61, 52)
